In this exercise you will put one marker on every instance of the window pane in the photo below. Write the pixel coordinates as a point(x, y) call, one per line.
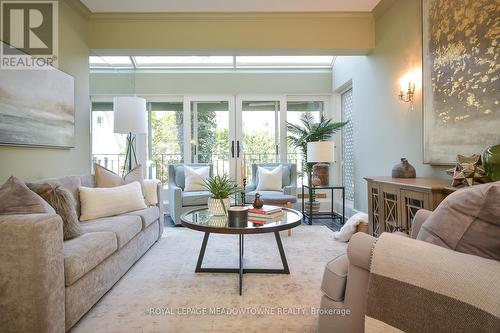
point(108, 148)
point(284, 61)
point(210, 134)
point(295, 109)
point(183, 61)
point(167, 137)
point(259, 132)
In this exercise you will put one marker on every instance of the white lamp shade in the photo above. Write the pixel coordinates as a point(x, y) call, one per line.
point(130, 115)
point(320, 151)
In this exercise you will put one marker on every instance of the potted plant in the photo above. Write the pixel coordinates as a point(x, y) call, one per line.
point(310, 131)
point(221, 187)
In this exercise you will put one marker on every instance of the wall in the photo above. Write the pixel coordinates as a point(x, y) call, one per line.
point(36, 163)
point(235, 33)
point(385, 129)
point(210, 82)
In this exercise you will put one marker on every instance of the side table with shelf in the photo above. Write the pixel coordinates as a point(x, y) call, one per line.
point(308, 216)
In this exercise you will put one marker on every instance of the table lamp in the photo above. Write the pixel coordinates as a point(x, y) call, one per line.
point(130, 118)
point(321, 153)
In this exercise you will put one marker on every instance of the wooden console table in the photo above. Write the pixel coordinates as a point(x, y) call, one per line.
point(393, 202)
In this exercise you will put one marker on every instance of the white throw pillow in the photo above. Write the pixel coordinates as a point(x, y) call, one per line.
point(99, 202)
point(270, 180)
point(195, 178)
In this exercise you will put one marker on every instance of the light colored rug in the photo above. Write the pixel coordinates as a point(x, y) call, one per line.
point(162, 293)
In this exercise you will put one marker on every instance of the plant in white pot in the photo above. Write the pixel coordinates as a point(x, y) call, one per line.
point(221, 187)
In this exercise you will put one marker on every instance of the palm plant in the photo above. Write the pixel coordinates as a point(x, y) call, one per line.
point(310, 131)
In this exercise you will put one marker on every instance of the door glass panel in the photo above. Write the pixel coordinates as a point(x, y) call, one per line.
point(260, 132)
point(295, 110)
point(210, 134)
point(167, 138)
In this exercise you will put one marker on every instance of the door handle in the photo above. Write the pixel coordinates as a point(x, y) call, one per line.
point(232, 149)
point(195, 149)
point(277, 150)
point(238, 148)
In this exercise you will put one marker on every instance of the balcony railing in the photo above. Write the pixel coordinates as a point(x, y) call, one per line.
point(158, 169)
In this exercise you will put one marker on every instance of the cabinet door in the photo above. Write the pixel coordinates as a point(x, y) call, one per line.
point(374, 210)
point(412, 201)
point(390, 209)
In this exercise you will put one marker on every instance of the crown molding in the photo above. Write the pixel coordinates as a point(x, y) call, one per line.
point(80, 8)
point(225, 16)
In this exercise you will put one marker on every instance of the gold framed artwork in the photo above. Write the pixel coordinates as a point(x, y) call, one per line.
point(461, 77)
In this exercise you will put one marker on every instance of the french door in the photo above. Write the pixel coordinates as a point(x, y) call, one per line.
point(231, 132)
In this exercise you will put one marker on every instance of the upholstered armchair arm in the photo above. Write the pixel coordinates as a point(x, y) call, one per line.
point(175, 202)
point(420, 217)
point(290, 190)
point(31, 273)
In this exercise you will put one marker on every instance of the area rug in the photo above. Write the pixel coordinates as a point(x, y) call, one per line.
point(162, 293)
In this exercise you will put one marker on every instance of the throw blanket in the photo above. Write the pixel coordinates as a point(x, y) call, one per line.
point(419, 287)
point(349, 228)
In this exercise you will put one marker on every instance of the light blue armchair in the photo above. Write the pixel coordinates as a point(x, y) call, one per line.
point(286, 196)
point(179, 200)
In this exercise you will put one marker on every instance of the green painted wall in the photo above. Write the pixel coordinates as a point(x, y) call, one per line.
point(385, 129)
point(36, 163)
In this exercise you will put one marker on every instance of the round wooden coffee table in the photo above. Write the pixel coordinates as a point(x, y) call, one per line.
point(203, 220)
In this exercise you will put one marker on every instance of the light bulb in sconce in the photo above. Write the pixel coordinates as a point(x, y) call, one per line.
point(407, 85)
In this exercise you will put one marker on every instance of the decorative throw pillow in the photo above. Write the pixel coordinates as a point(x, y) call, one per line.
point(195, 178)
point(64, 204)
point(107, 178)
point(467, 221)
point(99, 202)
point(17, 198)
point(270, 180)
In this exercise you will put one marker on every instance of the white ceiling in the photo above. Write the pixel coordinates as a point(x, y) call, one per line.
point(230, 5)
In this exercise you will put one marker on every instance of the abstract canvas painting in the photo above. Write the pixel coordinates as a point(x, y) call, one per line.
point(37, 108)
point(461, 80)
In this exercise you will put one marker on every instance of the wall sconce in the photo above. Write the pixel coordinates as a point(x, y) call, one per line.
point(407, 87)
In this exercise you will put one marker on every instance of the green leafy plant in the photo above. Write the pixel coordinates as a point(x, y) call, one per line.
point(311, 131)
point(221, 187)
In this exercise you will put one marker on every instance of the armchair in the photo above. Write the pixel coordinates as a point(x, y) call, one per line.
point(289, 180)
point(346, 278)
point(179, 200)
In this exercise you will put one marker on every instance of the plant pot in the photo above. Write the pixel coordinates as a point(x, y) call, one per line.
point(215, 206)
point(315, 207)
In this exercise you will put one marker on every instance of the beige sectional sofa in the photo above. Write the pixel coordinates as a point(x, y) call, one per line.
point(47, 285)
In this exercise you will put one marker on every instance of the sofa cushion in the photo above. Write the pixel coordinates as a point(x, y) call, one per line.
point(285, 172)
point(335, 278)
point(467, 221)
point(198, 198)
point(124, 227)
point(194, 179)
point(147, 215)
point(270, 180)
point(83, 253)
point(17, 198)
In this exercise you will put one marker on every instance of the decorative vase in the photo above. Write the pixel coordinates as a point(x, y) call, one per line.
point(215, 206)
point(321, 171)
point(491, 161)
point(258, 202)
point(403, 170)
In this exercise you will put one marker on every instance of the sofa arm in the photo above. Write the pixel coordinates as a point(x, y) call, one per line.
point(420, 217)
point(31, 273)
point(359, 250)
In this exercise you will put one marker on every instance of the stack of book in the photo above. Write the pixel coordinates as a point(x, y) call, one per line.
point(264, 215)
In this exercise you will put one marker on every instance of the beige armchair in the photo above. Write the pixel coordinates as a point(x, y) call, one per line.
point(345, 283)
